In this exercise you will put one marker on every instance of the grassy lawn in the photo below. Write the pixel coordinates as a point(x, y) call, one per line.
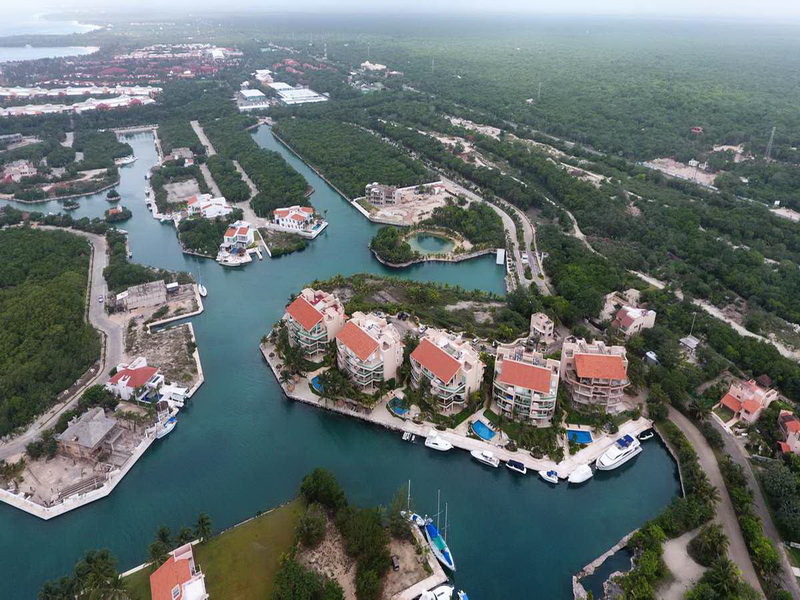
point(724, 413)
point(241, 563)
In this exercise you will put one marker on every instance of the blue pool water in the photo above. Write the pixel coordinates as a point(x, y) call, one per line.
point(316, 384)
point(396, 407)
point(580, 437)
point(482, 430)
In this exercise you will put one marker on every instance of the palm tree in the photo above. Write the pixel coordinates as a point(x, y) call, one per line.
point(185, 535)
point(95, 570)
point(203, 527)
point(698, 410)
point(711, 542)
point(158, 553)
point(164, 535)
point(707, 492)
point(723, 577)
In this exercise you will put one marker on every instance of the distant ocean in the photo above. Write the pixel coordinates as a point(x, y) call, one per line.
point(36, 25)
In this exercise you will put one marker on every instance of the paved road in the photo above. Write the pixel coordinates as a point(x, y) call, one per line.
point(734, 448)
point(725, 513)
point(203, 138)
point(113, 354)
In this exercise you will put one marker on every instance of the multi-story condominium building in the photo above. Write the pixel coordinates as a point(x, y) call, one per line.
point(369, 350)
point(630, 320)
point(451, 366)
point(379, 194)
point(596, 374)
point(313, 320)
point(525, 385)
point(747, 399)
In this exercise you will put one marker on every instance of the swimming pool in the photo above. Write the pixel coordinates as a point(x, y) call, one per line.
point(579, 436)
point(482, 430)
point(318, 387)
point(396, 406)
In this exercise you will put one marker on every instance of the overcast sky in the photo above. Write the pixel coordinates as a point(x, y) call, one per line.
point(758, 9)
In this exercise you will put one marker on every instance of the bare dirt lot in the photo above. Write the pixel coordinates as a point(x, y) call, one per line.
point(181, 191)
point(171, 350)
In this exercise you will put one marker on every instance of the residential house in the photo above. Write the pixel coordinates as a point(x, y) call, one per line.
point(205, 205)
point(542, 328)
point(239, 235)
point(369, 350)
point(789, 425)
point(595, 374)
point(313, 320)
point(746, 400)
point(294, 218)
point(630, 320)
point(89, 435)
point(450, 365)
point(135, 380)
point(16, 170)
point(145, 295)
point(179, 578)
point(690, 344)
point(525, 385)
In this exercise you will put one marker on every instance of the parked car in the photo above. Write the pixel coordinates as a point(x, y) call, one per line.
point(100, 299)
point(395, 562)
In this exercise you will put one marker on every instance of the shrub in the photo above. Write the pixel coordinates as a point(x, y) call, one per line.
point(321, 486)
point(311, 526)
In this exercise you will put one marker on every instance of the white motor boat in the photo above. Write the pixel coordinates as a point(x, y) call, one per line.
point(580, 474)
point(623, 450)
point(166, 427)
point(413, 518)
point(443, 592)
point(486, 457)
point(549, 476)
point(517, 467)
point(202, 290)
point(437, 442)
point(647, 434)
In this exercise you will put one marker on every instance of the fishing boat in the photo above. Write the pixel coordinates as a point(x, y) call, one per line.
point(486, 457)
point(549, 476)
point(166, 427)
point(647, 434)
point(443, 592)
point(623, 450)
point(437, 540)
point(437, 442)
point(581, 474)
point(517, 467)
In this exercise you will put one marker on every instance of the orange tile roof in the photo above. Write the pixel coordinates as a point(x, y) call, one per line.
point(230, 232)
point(600, 366)
point(307, 209)
point(243, 230)
point(138, 377)
point(281, 212)
point(523, 375)
point(192, 200)
point(358, 340)
point(305, 314)
point(297, 217)
point(784, 447)
point(436, 360)
point(167, 576)
point(731, 402)
point(751, 406)
point(792, 424)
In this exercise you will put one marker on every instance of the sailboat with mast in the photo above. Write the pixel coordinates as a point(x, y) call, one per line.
point(437, 539)
point(200, 287)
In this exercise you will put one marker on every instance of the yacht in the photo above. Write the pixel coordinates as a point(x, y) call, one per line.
point(437, 442)
point(580, 474)
point(549, 476)
point(443, 592)
point(202, 290)
point(166, 427)
point(486, 457)
point(517, 467)
point(624, 449)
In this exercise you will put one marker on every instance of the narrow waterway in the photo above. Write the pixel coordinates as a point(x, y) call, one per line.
point(241, 447)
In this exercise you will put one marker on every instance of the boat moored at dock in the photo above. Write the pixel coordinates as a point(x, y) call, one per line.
point(166, 427)
point(486, 457)
point(580, 474)
point(623, 450)
point(443, 592)
point(517, 467)
point(549, 476)
point(437, 442)
point(439, 545)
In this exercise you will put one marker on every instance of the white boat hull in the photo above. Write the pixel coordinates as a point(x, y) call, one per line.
point(202, 290)
point(166, 428)
point(580, 475)
point(437, 443)
point(548, 477)
point(603, 466)
point(489, 459)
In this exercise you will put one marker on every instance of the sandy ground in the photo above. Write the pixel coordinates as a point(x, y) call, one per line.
point(411, 569)
point(168, 349)
point(181, 191)
point(330, 559)
point(676, 169)
point(685, 572)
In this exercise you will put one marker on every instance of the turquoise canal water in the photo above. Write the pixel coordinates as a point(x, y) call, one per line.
point(241, 447)
point(426, 243)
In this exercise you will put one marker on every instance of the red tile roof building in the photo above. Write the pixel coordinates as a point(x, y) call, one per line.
point(450, 365)
point(135, 379)
point(369, 350)
point(525, 385)
point(179, 578)
point(313, 320)
point(630, 320)
point(596, 374)
point(789, 425)
point(747, 400)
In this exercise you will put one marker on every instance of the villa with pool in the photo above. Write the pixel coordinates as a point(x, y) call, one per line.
point(369, 350)
point(525, 385)
point(450, 364)
point(313, 320)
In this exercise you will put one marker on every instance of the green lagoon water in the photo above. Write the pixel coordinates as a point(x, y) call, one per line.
point(425, 243)
point(241, 446)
